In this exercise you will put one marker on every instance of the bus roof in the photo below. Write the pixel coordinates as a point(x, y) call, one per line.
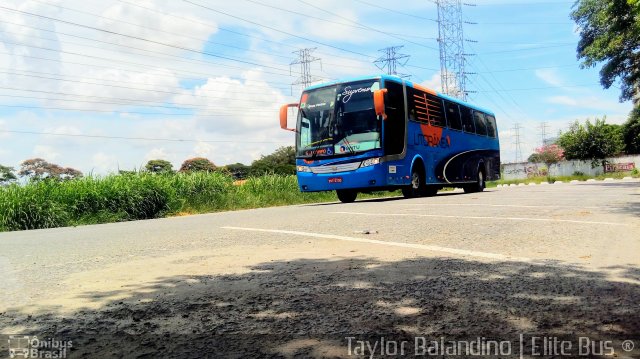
point(396, 79)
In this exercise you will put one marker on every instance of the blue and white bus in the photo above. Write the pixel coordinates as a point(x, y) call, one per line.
point(385, 133)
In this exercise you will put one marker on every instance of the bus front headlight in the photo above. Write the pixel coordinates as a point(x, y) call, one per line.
point(370, 162)
point(303, 169)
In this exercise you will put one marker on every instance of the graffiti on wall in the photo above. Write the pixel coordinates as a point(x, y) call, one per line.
point(527, 170)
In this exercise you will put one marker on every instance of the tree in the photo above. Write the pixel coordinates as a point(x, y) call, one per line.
point(592, 141)
point(631, 132)
point(37, 169)
point(534, 158)
point(197, 164)
point(6, 175)
point(549, 155)
point(238, 170)
point(159, 166)
point(610, 33)
point(282, 161)
point(68, 173)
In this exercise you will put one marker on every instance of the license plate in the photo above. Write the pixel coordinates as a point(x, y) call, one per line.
point(335, 180)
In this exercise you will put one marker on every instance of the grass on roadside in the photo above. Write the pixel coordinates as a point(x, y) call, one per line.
point(116, 198)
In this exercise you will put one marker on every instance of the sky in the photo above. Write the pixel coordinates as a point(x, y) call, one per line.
point(106, 85)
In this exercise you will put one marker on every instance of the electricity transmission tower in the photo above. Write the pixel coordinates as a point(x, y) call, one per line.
point(451, 41)
point(543, 132)
point(305, 59)
point(516, 141)
point(390, 60)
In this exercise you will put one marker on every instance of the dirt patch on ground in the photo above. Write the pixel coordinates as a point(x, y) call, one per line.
point(272, 302)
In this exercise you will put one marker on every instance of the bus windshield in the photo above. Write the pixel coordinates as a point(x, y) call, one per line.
point(338, 120)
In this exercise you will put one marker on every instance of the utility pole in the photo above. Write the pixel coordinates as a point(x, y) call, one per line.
point(451, 41)
point(516, 141)
point(391, 59)
point(305, 59)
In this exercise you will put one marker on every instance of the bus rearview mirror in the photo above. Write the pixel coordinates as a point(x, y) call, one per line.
point(378, 102)
point(284, 109)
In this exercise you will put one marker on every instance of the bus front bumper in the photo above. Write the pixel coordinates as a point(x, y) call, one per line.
point(364, 178)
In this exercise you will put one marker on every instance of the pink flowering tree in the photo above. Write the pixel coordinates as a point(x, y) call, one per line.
point(549, 155)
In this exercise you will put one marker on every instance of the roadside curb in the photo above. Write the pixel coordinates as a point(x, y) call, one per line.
point(590, 180)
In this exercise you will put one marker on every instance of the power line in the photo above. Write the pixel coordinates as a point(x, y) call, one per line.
point(365, 26)
point(528, 68)
point(548, 87)
point(174, 34)
point(176, 58)
point(396, 11)
point(215, 27)
point(275, 29)
point(127, 102)
point(211, 26)
point(145, 66)
point(390, 60)
point(30, 73)
point(135, 64)
point(141, 38)
point(119, 112)
point(158, 30)
point(527, 49)
point(132, 138)
point(124, 87)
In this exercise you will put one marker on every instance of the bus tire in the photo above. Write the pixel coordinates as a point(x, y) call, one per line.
point(346, 195)
point(479, 185)
point(417, 187)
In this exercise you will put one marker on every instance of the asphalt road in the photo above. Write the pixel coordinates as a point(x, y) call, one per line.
point(559, 260)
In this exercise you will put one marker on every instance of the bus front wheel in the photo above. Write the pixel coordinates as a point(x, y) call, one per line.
point(346, 196)
point(417, 186)
point(478, 186)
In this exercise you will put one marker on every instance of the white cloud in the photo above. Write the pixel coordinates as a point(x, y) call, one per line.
point(3, 127)
point(202, 149)
point(119, 89)
point(237, 107)
point(590, 102)
point(549, 76)
point(45, 152)
point(157, 153)
point(187, 31)
point(434, 83)
point(104, 163)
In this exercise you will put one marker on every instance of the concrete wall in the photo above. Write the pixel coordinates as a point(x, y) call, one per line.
point(523, 170)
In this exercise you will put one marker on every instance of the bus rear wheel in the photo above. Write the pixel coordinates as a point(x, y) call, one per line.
point(346, 195)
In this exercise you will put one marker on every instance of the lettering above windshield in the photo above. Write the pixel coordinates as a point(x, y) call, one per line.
point(348, 92)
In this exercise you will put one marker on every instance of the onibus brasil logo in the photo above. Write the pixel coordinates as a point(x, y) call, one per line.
point(25, 346)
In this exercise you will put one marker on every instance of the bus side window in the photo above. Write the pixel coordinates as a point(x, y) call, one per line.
point(491, 126)
point(394, 125)
point(467, 120)
point(481, 124)
point(453, 115)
